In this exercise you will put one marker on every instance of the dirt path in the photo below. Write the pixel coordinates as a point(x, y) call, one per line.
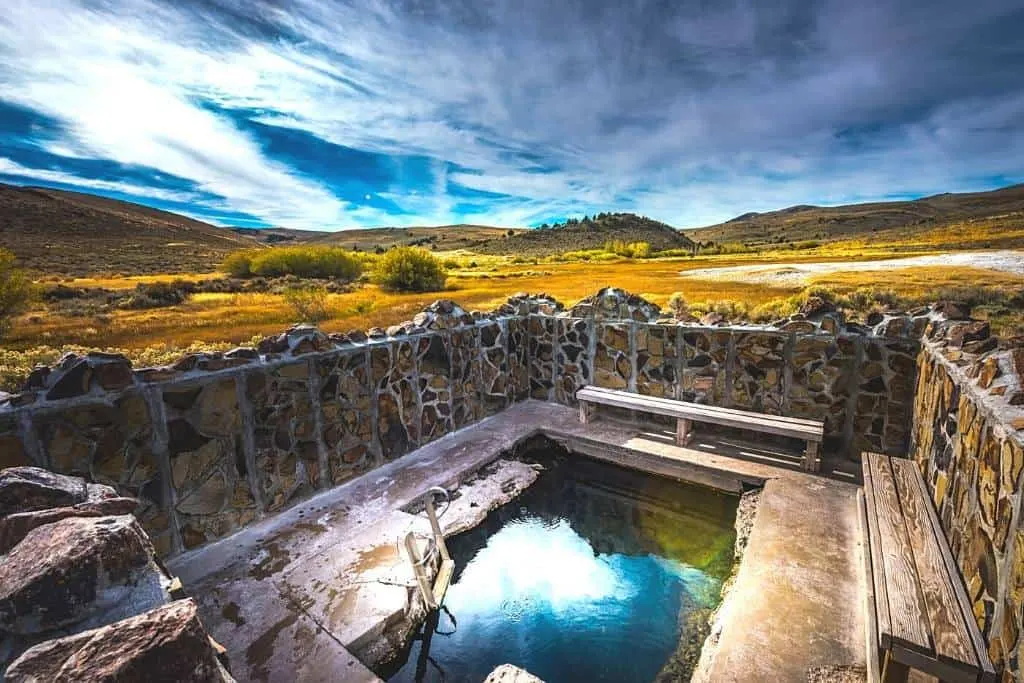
point(795, 274)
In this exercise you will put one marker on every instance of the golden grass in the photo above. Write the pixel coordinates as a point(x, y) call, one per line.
point(230, 318)
point(218, 321)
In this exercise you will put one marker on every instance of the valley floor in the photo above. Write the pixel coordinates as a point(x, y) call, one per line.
point(782, 274)
point(737, 286)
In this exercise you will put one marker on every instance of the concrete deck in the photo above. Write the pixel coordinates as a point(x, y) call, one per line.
point(293, 595)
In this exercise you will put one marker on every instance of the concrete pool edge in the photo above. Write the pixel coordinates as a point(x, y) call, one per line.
point(351, 512)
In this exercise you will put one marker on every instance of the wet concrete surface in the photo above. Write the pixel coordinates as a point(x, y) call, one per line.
point(307, 594)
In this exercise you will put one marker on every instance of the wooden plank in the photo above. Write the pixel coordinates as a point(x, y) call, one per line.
point(870, 616)
point(717, 409)
point(937, 670)
point(877, 559)
point(988, 672)
point(908, 619)
point(602, 395)
point(753, 421)
point(950, 638)
point(682, 431)
point(811, 461)
point(426, 590)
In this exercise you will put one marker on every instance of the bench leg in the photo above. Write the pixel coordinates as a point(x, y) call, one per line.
point(585, 412)
point(683, 432)
point(893, 671)
point(812, 461)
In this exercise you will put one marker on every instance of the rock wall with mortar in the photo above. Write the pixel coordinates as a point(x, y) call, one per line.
point(859, 383)
point(968, 440)
point(217, 441)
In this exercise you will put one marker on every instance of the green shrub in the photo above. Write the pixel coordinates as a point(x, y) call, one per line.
point(774, 310)
point(713, 249)
point(677, 305)
point(336, 263)
point(157, 295)
point(16, 290)
point(309, 302)
point(239, 263)
point(628, 249)
point(408, 269)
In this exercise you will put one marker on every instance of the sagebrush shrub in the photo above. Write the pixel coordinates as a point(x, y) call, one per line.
point(16, 290)
point(320, 262)
point(309, 302)
point(409, 269)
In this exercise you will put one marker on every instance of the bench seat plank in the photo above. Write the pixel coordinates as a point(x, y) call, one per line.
point(812, 424)
point(701, 413)
point(874, 549)
point(949, 639)
point(908, 625)
point(963, 603)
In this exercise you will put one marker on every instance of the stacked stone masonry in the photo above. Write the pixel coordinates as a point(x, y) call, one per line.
point(217, 441)
point(968, 440)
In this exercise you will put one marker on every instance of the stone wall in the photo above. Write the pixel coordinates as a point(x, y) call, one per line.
point(968, 440)
point(216, 441)
point(859, 383)
point(219, 440)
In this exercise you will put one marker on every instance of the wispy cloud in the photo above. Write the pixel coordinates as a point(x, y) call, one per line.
point(518, 111)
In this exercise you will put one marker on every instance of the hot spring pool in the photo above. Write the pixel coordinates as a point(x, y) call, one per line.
point(595, 573)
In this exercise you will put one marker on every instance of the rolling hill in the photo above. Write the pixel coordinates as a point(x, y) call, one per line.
point(440, 238)
point(910, 218)
point(56, 231)
point(588, 234)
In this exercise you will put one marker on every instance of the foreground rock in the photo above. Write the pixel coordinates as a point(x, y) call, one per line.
point(81, 571)
point(166, 644)
point(14, 527)
point(25, 489)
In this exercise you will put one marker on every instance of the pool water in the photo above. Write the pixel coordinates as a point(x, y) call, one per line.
point(595, 573)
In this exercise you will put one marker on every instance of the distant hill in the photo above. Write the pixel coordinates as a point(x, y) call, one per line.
point(72, 233)
point(798, 223)
point(591, 233)
point(440, 238)
point(279, 236)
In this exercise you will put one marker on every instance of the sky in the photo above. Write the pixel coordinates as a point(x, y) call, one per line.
point(335, 114)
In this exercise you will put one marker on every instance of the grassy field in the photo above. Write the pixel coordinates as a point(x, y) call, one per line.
point(217, 321)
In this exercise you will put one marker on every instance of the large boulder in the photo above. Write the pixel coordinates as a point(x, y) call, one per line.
point(24, 489)
point(16, 526)
point(815, 306)
point(81, 571)
point(168, 643)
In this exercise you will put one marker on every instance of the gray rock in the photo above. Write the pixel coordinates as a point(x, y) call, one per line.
point(85, 571)
point(24, 489)
point(168, 643)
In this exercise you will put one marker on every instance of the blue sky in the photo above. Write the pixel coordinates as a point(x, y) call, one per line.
point(358, 113)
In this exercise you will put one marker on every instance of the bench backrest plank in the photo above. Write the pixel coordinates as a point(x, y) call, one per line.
point(681, 409)
point(908, 625)
point(949, 638)
point(814, 424)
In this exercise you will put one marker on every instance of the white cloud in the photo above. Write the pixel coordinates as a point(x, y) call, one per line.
point(690, 117)
point(12, 168)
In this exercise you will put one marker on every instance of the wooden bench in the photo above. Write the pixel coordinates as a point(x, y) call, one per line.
point(810, 431)
point(919, 616)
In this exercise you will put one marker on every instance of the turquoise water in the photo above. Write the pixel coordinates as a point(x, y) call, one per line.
point(594, 574)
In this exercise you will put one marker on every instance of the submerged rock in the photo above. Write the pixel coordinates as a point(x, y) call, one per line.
point(506, 673)
point(168, 643)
